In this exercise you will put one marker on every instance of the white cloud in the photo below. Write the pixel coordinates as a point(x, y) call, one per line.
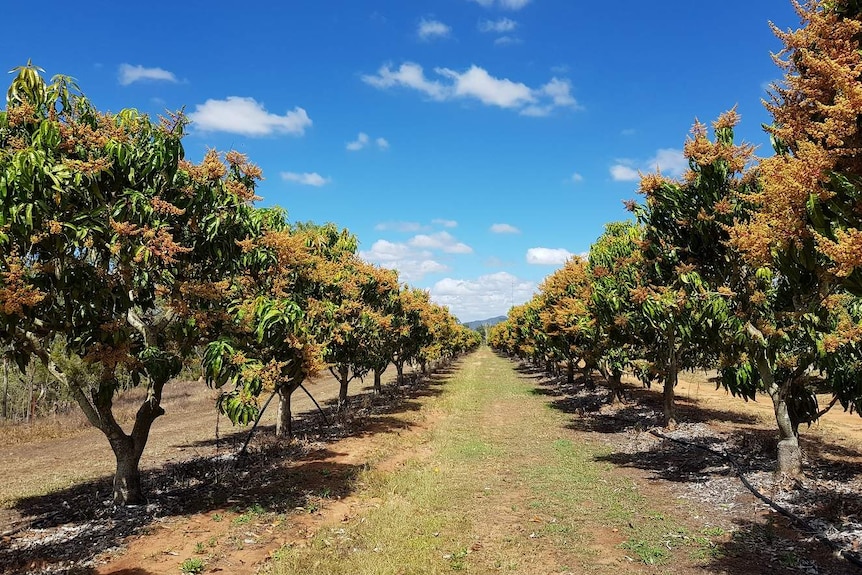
point(577, 178)
point(443, 241)
point(477, 83)
point(669, 161)
point(399, 226)
point(445, 223)
point(559, 93)
point(506, 41)
point(408, 75)
point(412, 264)
point(623, 173)
point(504, 229)
point(500, 26)
point(360, 142)
point(503, 4)
point(483, 297)
point(548, 256)
point(429, 29)
point(305, 178)
point(247, 117)
point(128, 74)
point(628, 132)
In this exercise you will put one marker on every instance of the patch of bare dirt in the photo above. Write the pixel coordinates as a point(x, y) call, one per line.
point(205, 504)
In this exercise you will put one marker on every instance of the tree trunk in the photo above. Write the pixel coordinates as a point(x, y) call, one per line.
point(128, 449)
point(424, 367)
point(399, 368)
point(585, 377)
point(669, 405)
point(789, 453)
point(670, 380)
point(5, 388)
point(616, 383)
point(343, 382)
point(377, 383)
point(570, 371)
point(31, 402)
point(127, 478)
point(283, 420)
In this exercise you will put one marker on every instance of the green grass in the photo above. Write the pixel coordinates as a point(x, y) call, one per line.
point(504, 488)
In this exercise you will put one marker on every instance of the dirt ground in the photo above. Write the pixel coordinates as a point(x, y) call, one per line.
point(236, 515)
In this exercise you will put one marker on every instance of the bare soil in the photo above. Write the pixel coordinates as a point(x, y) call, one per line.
point(233, 515)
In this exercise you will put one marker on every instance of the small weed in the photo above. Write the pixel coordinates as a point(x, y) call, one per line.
point(458, 559)
point(713, 531)
point(789, 559)
point(192, 566)
point(251, 513)
point(212, 542)
point(649, 553)
point(217, 517)
point(200, 548)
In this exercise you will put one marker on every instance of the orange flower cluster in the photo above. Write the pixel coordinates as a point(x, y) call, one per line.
point(16, 292)
point(816, 111)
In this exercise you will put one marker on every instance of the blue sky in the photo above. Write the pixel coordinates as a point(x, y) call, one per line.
point(472, 144)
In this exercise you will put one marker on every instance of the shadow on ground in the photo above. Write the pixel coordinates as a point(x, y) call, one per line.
point(761, 540)
point(90, 524)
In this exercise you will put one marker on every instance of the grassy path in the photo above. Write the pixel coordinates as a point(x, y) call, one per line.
point(497, 484)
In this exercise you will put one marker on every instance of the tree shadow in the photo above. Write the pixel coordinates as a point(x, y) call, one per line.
point(824, 496)
point(769, 543)
point(285, 476)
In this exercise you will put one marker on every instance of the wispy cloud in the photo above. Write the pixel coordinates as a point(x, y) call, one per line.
point(445, 223)
point(128, 74)
point(548, 256)
point(483, 297)
point(576, 178)
point(513, 5)
point(431, 29)
point(506, 41)
point(500, 26)
point(669, 161)
point(247, 117)
point(504, 229)
point(306, 178)
point(362, 141)
point(410, 227)
point(477, 84)
point(443, 241)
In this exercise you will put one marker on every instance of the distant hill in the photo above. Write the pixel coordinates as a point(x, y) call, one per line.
point(489, 322)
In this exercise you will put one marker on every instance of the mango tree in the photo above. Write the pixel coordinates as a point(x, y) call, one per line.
point(685, 253)
point(566, 319)
point(115, 250)
point(616, 269)
point(280, 318)
point(804, 233)
point(358, 305)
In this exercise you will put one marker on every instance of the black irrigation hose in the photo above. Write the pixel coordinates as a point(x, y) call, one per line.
point(244, 448)
point(821, 536)
point(325, 419)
